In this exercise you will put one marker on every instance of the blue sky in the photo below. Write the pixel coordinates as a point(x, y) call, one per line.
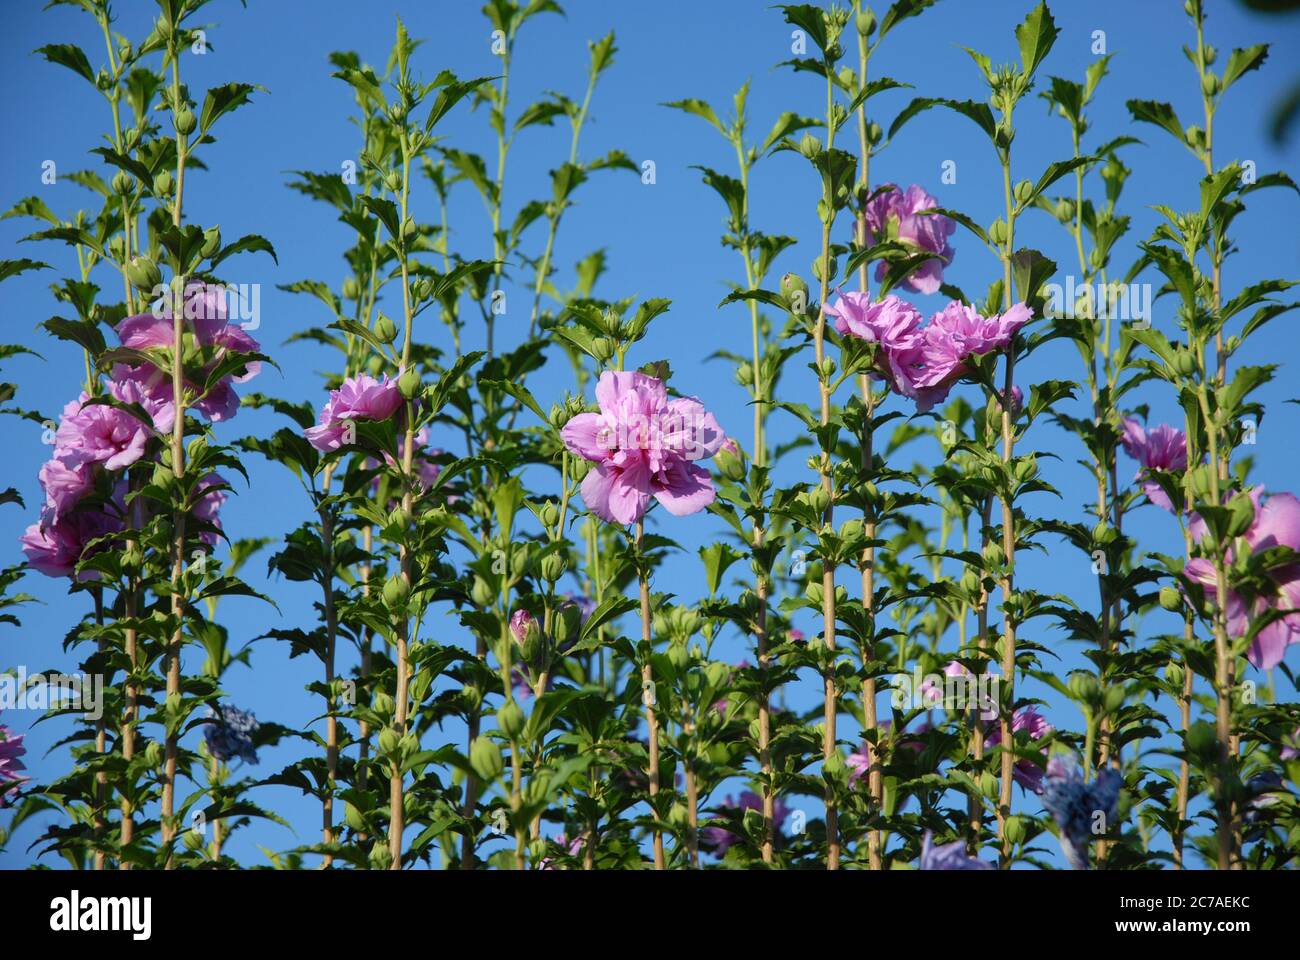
point(661, 239)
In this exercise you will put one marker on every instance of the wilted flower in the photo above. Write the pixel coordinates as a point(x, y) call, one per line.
point(1078, 807)
point(1162, 448)
point(901, 210)
point(230, 735)
point(359, 398)
point(717, 840)
point(1026, 772)
point(1276, 523)
point(951, 856)
point(643, 445)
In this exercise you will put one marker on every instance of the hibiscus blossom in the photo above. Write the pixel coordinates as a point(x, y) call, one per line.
point(643, 445)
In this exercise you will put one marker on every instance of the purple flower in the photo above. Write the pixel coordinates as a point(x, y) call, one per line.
point(11, 748)
point(1162, 448)
point(208, 505)
point(230, 734)
point(98, 433)
point(359, 398)
point(210, 337)
point(1077, 806)
point(64, 487)
point(1276, 523)
point(951, 856)
point(1291, 745)
point(717, 840)
point(901, 210)
point(643, 445)
point(55, 547)
point(1026, 772)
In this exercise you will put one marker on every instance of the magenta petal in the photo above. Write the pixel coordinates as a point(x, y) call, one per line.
point(684, 489)
point(588, 436)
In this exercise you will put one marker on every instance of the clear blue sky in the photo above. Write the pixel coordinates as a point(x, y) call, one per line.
point(662, 239)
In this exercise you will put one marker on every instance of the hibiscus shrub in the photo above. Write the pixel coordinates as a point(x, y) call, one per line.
point(499, 681)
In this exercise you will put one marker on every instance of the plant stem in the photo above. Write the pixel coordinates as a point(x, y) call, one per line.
point(648, 695)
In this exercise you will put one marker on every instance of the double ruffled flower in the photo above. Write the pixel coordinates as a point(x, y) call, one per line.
point(1162, 448)
point(923, 362)
point(643, 446)
point(1276, 524)
point(897, 213)
point(206, 329)
point(359, 398)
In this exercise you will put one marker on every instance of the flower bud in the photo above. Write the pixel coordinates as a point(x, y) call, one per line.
point(396, 592)
point(731, 461)
point(510, 718)
point(409, 384)
point(211, 242)
point(792, 287)
point(485, 759)
point(553, 566)
point(143, 273)
point(385, 329)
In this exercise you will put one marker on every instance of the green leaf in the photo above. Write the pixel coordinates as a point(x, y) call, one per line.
point(248, 244)
point(700, 109)
point(223, 99)
point(1242, 61)
point(1160, 114)
point(71, 56)
point(11, 268)
point(1036, 36)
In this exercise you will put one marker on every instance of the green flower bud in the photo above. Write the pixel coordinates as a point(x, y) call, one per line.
point(510, 718)
point(396, 592)
point(1014, 829)
point(143, 273)
point(1084, 687)
point(731, 461)
point(409, 384)
point(485, 759)
point(793, 287)
point(211, 242)
point(553, 566)
point(385, 329)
